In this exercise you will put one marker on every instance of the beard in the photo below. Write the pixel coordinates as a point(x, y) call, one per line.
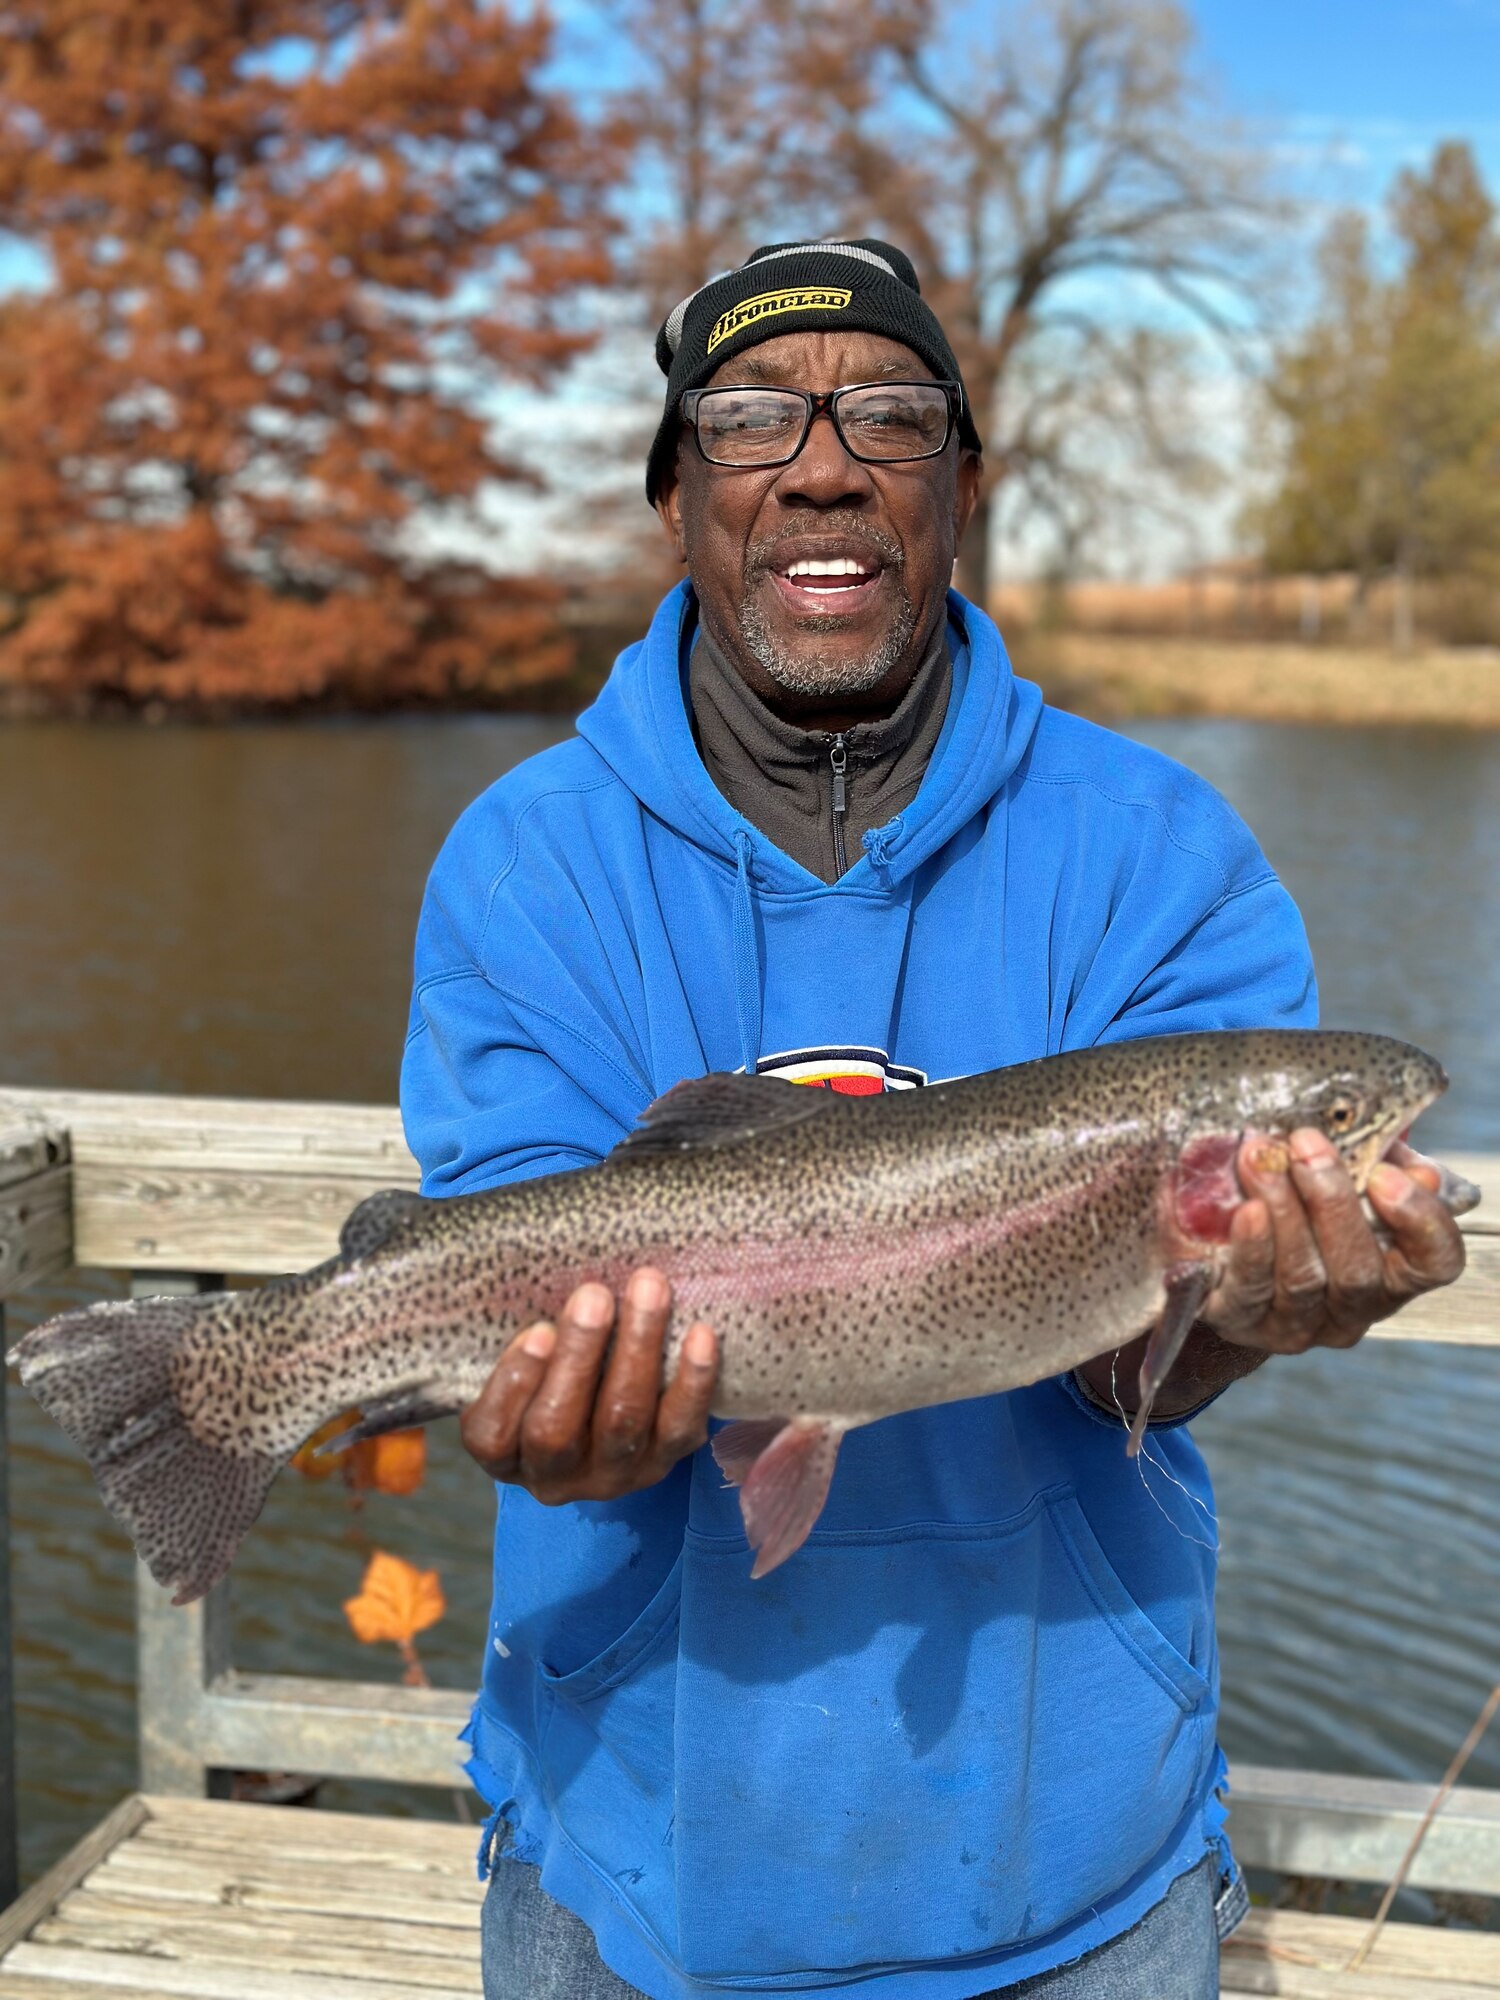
point(803, 668)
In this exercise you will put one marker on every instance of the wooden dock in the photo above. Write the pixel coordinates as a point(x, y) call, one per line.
point(174, 1894)
point(174, 1897)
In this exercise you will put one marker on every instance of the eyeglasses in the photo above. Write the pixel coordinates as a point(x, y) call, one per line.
point(882, 423)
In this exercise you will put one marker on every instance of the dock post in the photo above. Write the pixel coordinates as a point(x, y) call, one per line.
point(36, 1241)
point(10, 1881)
point(180, 1649)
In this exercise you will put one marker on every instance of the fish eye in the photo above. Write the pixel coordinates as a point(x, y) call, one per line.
point(1341, 1114)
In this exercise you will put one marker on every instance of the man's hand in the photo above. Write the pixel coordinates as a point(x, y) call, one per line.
point(1305, 1268)
point(545, 1420)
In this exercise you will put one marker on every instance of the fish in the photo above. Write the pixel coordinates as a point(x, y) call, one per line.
point(856, 1256)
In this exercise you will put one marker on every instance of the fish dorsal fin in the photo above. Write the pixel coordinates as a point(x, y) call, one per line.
point(719, 1110)
point(372, 1225)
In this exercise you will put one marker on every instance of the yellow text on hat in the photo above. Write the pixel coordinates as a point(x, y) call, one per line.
point(765, 305)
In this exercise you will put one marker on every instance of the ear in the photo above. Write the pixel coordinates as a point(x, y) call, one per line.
point(967, 486)
point(668, 504)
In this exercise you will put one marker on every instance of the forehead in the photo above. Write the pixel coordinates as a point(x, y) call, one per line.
point(822, 361)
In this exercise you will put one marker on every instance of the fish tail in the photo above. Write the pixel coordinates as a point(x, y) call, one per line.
point(105, 1374)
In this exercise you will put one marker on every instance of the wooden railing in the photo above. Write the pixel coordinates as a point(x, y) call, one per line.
point(180, 1192)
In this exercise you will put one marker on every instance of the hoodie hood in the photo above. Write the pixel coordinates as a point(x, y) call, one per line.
point(640, 727)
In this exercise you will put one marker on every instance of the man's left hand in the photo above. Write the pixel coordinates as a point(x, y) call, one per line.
point(1305, 1267)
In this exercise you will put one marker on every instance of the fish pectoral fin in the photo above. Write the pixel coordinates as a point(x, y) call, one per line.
point(740, 1444)
point(720, 1110)
point(377, 1219)
point(403, 1410)
point(783, 1492)
point(1188, 1285)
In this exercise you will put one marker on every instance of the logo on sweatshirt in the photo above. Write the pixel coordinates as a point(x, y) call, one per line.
point(853, 1072)
point(767, 305)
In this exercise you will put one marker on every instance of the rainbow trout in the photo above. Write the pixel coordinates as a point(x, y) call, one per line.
point(856, 1256)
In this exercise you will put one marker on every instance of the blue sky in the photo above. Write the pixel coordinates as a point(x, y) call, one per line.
point(1358, 88)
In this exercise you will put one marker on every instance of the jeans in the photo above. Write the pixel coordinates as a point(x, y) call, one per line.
point(534, 1949)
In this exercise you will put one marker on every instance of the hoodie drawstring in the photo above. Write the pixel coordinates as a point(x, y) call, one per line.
point(880, 841)
point(747, 966)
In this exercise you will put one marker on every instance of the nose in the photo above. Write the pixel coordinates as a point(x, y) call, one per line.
point(823, 474)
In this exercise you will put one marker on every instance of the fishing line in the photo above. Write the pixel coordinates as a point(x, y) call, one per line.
point(1142, 1456)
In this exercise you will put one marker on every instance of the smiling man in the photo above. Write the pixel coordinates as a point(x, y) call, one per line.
point(963, 1742)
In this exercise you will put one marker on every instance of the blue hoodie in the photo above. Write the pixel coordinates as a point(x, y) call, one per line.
point(967, 1733)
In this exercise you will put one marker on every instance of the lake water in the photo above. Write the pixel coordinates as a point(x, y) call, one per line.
point(231, 910)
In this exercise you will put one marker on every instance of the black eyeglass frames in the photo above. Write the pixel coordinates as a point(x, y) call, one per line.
point(878, 422)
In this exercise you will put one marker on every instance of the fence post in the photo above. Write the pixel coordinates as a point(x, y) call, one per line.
point(180, 1649)
point(36, 1241)
point(9, 1876)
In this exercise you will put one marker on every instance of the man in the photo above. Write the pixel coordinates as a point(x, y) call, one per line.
point(962, 1743)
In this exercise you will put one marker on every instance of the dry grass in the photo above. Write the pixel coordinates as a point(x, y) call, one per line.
point(1271, 682)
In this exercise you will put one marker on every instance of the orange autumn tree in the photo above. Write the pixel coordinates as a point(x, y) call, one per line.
point(292, 246)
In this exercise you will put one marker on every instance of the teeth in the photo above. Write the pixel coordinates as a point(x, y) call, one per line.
point(839, 566)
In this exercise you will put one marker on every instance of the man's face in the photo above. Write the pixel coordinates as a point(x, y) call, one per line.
point(809, 649)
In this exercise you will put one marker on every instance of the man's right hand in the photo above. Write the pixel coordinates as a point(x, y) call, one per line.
point(546, 1421)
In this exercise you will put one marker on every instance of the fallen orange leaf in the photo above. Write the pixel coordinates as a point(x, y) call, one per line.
point(394, 1463)
point(395, 1602)
point(304, 1459)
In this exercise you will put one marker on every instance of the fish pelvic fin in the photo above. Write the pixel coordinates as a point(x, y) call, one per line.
point(402, 1410)
point(105, 1375)
point(740, 1444)
point(783, 1490)
point(1188, 1285)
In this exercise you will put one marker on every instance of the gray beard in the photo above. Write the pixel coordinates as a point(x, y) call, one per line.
point(813, 673)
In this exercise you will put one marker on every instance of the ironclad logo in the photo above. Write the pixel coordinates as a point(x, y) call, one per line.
point(852, 1072)
point(766, 305)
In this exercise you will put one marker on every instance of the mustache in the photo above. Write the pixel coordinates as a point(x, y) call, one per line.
point(761, 555)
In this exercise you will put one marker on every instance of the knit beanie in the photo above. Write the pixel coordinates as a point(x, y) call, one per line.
point(864, 286)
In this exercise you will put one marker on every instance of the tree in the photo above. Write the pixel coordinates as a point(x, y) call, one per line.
point(1390, 396)
point(292, 245)
point(1076, 211)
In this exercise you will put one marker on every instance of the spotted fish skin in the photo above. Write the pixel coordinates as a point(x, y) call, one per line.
point(857, 1256)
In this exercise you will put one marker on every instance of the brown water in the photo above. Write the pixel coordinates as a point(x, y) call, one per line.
point(232, 910)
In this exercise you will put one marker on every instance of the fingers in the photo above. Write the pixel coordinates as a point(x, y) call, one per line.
point(566, 1423)
point(1355, 1295)
point(1427, 1248)
point(1244, 1293)
point(682, 1420)
point(626, 1409)
point(1305, 1266)
point(555, 1431)
point(1296, 1310)
point(490, 1426)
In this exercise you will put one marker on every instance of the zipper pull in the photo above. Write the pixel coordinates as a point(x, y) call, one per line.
point(838, 758)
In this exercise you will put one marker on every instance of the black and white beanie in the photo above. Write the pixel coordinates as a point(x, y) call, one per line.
point(866, 286)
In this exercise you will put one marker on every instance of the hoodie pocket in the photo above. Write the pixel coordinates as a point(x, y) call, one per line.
point(605, 1752)
point(919, 1744)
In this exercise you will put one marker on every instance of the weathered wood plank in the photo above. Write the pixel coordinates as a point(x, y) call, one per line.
point(218, 1940)
point(92, 1911)
point(1358, 1829)
point(171, 1817)
point(361, 1896)
point(36, 1202)
point(214, 1183)
point(295, 1851)
point(1291, 1952)
point(67, 1873)
point(206, 1979)
point(37, 1986)
point(347, 1729)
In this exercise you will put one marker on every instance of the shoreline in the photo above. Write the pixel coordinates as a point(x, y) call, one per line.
point(1106, 676)
point(1113, 678)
